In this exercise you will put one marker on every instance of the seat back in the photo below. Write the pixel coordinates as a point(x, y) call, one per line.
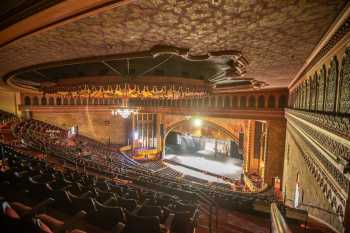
point(137, 224)
point(82, 203)
point(107, 216)
point(148, 211)
point(128, 204)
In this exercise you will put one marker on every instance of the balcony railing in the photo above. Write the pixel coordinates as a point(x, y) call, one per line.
point(278, 223)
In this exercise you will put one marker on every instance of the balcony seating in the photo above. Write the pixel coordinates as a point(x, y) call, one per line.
point(69, 185)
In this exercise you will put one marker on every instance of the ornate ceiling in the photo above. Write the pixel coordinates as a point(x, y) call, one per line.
point(275, 37)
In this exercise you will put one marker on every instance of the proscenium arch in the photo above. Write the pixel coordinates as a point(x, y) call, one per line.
point(212, 124)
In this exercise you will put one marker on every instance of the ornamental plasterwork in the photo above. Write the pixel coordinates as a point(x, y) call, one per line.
point(263, 31)
point(331, 86)
point(325, 182)
point(321, 88)
point(337, 148)
point(344, 84)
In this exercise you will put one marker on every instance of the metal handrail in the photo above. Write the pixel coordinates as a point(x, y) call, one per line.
point(278, 223)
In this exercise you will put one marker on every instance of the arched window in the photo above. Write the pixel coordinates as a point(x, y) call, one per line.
point(65, 101)
point(84, 101)
point(78, 101)
point(71, 101)
point(261, 102)
point(58, 101)
point(27, 100)
point(243, 102)
point(271, 101)
point(43, 100)
point(282, 101)
point(51, 101)
point(35, 100)
point(252, 102)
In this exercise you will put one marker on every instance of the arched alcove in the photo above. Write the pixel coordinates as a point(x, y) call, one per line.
point(27, 100)
point(271, 103)
point(261, 101)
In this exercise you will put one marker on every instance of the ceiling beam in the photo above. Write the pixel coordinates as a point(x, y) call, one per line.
point(157, 65)
point(112, 68)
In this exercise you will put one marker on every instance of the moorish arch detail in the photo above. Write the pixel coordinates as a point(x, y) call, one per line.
point(321, 88)
point(307, 94)
point(331, 86)
point(344, 84)
point(313, 92)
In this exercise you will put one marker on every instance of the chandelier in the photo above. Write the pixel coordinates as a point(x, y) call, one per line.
point(123, 110)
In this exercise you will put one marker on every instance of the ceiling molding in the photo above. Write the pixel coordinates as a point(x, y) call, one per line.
point(56, 15)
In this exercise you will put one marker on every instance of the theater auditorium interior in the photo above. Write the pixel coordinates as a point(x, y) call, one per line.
point(174, 116)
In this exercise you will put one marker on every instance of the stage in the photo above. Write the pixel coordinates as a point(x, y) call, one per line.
point(206, 160)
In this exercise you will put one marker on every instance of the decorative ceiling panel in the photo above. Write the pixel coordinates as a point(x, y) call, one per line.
point(274, 36)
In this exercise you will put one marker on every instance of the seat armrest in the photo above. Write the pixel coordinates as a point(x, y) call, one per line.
point(136, 211)
point(39, 207)
point(169, 221)
point(119, 228)
point(71, 222)
point(65, 188)
point(86, 194)
point(195, 215)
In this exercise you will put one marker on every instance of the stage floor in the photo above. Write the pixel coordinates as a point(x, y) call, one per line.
point(206, 160)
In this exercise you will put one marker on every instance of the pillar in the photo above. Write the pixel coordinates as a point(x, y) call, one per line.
point(276, 134)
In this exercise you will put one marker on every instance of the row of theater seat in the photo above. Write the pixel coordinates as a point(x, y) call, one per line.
point(108, 163)
point(105, 203)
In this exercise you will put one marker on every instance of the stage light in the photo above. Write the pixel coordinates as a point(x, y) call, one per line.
point(197, 122)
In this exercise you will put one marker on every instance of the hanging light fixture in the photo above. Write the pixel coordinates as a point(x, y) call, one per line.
point(124, 111)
